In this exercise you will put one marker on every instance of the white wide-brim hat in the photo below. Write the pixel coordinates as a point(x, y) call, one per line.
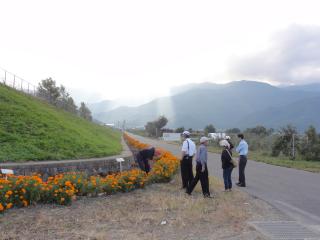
point(204, 139)
point(224, 143)
point(186, 133)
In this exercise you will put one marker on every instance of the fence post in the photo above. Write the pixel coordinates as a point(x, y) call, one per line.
point(293, 147)
point(28, 87)
point(14, 80)
point(21, 84)
point(5, 77)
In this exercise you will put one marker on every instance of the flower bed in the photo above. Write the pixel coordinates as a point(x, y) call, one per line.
point(21, 191)
point(163, 168)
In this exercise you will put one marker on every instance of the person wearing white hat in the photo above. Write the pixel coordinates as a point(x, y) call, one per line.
point(188, 151)
point(227, 165)
point(201, 169)
point(228, 138)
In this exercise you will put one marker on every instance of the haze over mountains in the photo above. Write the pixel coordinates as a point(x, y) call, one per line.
point(237, 104)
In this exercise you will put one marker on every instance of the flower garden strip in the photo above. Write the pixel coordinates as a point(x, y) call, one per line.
point(21, 191)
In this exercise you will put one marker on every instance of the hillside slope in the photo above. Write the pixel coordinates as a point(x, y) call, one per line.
point(34, 130)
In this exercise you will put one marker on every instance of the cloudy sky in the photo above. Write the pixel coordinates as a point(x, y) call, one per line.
point(134, 49)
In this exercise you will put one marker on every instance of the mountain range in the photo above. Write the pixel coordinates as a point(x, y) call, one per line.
point(237, 104)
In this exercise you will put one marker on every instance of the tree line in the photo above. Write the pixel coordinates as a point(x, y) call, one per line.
point(286, 140)
point(59, 97)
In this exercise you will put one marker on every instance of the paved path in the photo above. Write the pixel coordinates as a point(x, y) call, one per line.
point(295, 192)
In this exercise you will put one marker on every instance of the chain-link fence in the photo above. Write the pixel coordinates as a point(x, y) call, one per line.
point(11, 80)
point(59, 98)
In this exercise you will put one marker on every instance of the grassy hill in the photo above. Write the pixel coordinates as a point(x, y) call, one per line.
point(31, 129)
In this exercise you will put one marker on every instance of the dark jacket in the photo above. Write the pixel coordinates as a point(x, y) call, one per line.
point(226, 159)
point(147, 153)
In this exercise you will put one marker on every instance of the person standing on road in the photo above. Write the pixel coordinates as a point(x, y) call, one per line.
point(242, 149)
point(228, 138)
point(201, 169)
point(188, 151)
point(227, 165)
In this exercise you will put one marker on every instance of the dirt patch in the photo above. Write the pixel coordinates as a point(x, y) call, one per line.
point(139, 214)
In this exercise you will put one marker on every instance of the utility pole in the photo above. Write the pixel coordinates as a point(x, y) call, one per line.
point(124, 125)
point(293, 147)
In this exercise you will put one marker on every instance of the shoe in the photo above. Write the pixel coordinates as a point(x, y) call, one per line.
point(239, 184)
point(208, 196)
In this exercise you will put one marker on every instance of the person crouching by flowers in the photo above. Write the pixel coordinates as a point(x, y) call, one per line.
point(227, 165)
point(201, 169)
point(144, 156)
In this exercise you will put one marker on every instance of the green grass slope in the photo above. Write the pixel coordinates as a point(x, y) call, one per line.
point(31, 129)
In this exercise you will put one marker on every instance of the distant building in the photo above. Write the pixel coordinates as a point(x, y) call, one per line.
point(171, 137)
point(215, 136)
point(109, 125)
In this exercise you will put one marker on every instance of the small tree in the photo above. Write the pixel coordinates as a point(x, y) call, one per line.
point(258, 130)
point(85, 112)
point(310, 147)
point(284, 142)
point(179, 130)
point(48, 90)
point(160, 123)
point(151, 129)
point(71, 106)
point(209, 129)
point(63, 98)
point(233, 130)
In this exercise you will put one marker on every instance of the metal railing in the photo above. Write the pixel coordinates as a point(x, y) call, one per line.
point(12, 80)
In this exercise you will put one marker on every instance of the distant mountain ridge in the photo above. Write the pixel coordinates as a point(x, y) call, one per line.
point(235, 104)
point(313, 87)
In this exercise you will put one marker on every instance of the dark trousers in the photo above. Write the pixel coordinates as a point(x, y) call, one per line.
point(186, 171)
point(204, 180)
point(143, 163)
point(146, 165)
point(242, 166)
point(227, 178)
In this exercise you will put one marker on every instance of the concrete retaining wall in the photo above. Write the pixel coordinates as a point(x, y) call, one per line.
point(91, 166)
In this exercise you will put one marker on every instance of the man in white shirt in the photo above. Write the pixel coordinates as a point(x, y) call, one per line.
point(188, 151)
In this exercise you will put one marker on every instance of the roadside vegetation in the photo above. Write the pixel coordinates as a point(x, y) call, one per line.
point(32, 129)
point(282, 160)
point(284, 147)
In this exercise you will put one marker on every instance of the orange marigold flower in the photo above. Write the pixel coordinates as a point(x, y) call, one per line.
point(9, 205)
point(25, 203)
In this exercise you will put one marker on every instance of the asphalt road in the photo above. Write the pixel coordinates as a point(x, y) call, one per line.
point(295, 192)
